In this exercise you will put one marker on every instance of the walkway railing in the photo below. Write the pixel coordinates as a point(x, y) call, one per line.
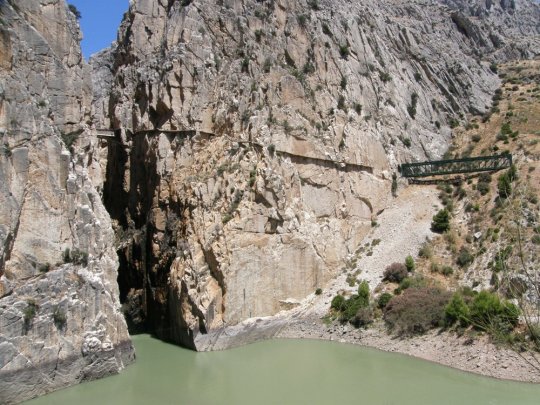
point(454, 166)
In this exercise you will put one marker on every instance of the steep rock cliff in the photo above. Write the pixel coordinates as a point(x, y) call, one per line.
point(255, 141)
point(60, 319)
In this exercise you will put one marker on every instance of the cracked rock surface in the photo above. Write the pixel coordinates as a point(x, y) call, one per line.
point(60, 323)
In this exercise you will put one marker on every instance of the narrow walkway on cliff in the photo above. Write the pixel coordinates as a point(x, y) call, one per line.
point(112, 135)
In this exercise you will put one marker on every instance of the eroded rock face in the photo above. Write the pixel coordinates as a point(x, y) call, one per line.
point(257, 140)
point(60, 323)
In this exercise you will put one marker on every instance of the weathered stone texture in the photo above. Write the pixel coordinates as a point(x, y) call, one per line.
point(59, 323)
point(258, 139)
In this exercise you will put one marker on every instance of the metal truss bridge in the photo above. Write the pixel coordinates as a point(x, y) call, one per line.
point(455, 166)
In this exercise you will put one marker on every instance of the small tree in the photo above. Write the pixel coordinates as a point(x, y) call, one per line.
point(441, 221)
point(363, 293)
point(409, 263)
point(338, 303)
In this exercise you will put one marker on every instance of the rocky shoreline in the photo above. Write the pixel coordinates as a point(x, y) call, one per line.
point(475, 355)
point(478, 356)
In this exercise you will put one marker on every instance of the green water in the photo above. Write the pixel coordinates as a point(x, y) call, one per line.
point(288, 372)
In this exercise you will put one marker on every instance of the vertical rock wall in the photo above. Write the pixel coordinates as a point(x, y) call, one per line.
point(60, 319)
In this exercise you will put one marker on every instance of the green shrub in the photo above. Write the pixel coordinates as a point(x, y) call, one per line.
point(70, 139)
point(222, 169)
point(504, 183)
point(385, 76)
point(258, 35)
point(395, 273)
point(447, 270)
point(383, 300)
point(491, 314)
point(326, 30)
point(79, 257)
point(416, 311)
point(483, 188)
point(252, 177)
point(351, 310)
point(457, 311)
point(75, 256)
point(409, 263)
point(351, 307)
point(302, 19)
point(411, 108)
point(267, 65)
point(314, 5)
point(308, 68)
point(66, 256)
point(226, 218)
point(407, 142)
point(441, 221)
point(59, 318)
point(341, 103)
point(464, 258)
point(411, 282)
point(244, 66)
point(29, 313)
point(363, 293)
point(344, 51)
point(338, 303)
point(44, 268)
point(499, 263)
point(318, 291)
point(435, 267)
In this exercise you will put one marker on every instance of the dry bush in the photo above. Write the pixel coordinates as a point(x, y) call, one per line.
point(395, 273)
point(417, 310)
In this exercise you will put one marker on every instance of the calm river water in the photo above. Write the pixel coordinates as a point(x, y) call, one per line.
point(288, 372)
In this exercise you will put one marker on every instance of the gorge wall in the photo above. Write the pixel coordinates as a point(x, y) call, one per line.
point(60, 318)
point(252, 145)
point(256, 140)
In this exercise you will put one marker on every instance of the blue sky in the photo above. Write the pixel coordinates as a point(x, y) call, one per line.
point(99, 23)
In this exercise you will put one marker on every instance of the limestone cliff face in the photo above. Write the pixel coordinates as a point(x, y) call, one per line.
point(60, 319)
point(256, 140)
